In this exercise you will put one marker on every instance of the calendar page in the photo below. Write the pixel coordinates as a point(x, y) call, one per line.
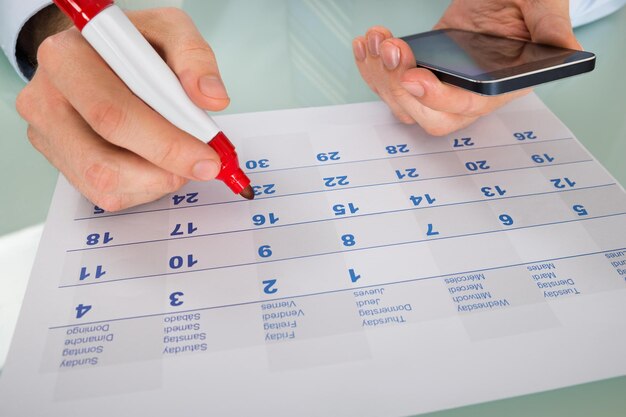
point(378, 272)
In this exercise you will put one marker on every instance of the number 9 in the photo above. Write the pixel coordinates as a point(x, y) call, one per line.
point(506, 219)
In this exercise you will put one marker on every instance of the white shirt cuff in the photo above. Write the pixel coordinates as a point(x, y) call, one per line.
point(13, 16)
point(586, 11)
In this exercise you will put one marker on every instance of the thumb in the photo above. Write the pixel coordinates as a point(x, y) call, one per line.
point(548, 22)
point(174, 35)
point(196, 67)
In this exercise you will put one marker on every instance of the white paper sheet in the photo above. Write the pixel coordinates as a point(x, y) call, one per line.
point(379, 272)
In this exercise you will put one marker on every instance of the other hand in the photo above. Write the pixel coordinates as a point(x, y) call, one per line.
point(415, 94)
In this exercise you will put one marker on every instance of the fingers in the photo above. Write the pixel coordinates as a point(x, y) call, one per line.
point(112, 146)
point(383, 63)
point(414, 95)
point(111, 177)
point(436, 95)
point(186, 52)
point(116, 114)
point(549, 22)
point(374, 61)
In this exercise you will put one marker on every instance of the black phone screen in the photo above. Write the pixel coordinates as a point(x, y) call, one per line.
point(484, 57)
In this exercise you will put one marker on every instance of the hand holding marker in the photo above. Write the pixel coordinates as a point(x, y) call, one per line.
point(107, 29)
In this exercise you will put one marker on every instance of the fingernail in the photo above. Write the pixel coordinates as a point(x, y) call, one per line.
point(415, 88)
point(391, 55)
point(206, 170)
point(358, 48)
point(212, 86)
point(374, 40)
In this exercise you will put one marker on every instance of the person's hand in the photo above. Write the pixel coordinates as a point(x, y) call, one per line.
point(108, 143)
point(414, 94)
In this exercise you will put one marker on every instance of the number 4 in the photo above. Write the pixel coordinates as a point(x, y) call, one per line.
point(81, 310)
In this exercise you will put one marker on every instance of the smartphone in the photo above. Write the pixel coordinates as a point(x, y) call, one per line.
point(492, 65)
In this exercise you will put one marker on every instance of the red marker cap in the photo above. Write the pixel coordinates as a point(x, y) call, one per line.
point(82, 11)
point(230, 172)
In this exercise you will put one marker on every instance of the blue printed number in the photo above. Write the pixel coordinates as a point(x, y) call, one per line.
point(84, 272)
point(418, 199)
point(264, 189)
point(394, 149)
point(353, 275)
point(269, 286)
point(261, 219)
point(493, 191)
point(81, 310)
point(175, 300)
point(462, 142)
point(343, 209)
point(340, 180)
point(580, 210)
point(476, 165)
point(562, 182)
point(257, 163)
point(542, 159)
point(97, 210)
point(94, 238)
point(407, 173)
point(506, 219)
point(265, 251)
point(348, 240)
point(328, 156)
point(431, 230)
point(177, 262)
point(529, 134)
point(188, 198)
point(180, 230)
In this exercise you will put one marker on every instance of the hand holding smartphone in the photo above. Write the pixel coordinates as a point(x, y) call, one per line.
point(492, 65)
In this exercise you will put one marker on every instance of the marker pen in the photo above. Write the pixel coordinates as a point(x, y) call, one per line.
point(132, 58)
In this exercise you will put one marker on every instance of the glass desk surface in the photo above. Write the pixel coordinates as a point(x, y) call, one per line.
point(280, 54)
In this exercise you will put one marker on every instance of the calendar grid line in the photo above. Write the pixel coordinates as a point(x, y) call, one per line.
point(408, 155)
point(382, 184)
point(362, 287)
point(314, 255)
point(329, 219)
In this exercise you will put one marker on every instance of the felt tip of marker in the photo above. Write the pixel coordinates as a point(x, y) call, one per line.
point(247, 193)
